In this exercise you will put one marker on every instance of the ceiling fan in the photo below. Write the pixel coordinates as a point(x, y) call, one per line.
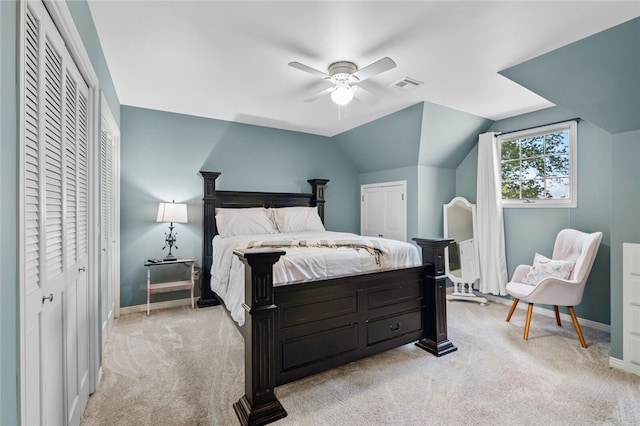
point(344, 76)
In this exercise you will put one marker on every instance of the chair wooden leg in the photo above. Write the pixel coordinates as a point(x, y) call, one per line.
point(577, 326)
point(528, 323)
point(513, 308)
point(557, 311)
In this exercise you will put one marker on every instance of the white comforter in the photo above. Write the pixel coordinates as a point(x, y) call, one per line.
point(301, 263)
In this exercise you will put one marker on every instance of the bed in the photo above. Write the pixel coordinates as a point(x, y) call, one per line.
point(293, 330)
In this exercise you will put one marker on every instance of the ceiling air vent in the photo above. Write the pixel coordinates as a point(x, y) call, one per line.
point(406, 84)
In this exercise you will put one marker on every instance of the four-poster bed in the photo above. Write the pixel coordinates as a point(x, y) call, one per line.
point(293, 331)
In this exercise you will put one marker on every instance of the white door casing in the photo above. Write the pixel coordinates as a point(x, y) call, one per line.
point(383, 211)
point(57, 314)
point(631, 307)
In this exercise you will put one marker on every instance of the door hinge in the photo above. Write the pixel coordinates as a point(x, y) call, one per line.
point(402, 197)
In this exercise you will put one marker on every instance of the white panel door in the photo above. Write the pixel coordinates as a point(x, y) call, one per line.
point(383, 211)
point(631, 307)
point(54, 227)
point(395, 213)
point(372, 212)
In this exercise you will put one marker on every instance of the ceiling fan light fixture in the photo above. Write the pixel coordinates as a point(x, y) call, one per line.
point(342, 95)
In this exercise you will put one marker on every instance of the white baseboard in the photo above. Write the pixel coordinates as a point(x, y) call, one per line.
point(156, 305)
point(564, 317)
point(616, 363)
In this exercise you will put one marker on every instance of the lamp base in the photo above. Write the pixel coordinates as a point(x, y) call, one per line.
point(169, 258)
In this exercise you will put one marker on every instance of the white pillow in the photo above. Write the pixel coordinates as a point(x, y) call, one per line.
point(297, 219)
point(249, 221)
point(543, 267)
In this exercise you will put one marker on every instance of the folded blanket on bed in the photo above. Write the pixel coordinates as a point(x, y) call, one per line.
point(375, 248)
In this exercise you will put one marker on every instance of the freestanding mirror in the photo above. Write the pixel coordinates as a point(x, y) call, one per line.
point(461, 257)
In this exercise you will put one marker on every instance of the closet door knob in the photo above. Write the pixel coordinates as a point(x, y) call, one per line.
point(49, 298)
point(81, 269)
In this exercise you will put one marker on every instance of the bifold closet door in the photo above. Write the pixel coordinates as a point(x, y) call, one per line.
point(54, 208)
point(107, 230)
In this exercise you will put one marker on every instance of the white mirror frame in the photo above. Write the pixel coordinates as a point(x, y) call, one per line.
point(463, 235)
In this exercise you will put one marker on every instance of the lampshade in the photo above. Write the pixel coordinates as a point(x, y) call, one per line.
point(342, 95)
point(172, 212)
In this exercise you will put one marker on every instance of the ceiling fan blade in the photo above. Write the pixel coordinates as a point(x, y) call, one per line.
point(312, 71)
point(364, 95)
point(380, 66)
point(320, 94)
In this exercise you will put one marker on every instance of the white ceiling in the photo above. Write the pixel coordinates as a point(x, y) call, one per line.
point(228, 59)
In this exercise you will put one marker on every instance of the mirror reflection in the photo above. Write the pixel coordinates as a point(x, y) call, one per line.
point(462, 265)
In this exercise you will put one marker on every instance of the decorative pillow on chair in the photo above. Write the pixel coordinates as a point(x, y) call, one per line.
point(543, 267)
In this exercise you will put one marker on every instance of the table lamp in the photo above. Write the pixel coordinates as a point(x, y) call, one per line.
point(173, 213)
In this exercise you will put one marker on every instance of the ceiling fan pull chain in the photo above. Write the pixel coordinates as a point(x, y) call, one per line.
point(341, 110)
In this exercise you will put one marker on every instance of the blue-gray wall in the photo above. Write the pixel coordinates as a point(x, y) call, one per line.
point(8, 219)
point(162, 154)
point(625, 226)
point(83, 19)
point(447, 135)
point(608, 199)
point(421, 144)
point(539, 227)
point(389, 143)
point(595, 78)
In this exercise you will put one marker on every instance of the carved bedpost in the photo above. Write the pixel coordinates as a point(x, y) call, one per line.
point(259, 404)
point(435, 314)
point(317, 189)
point(207, 296)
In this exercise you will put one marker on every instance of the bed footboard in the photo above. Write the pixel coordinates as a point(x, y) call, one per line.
point(377, 311)
point(435, 339)
point(259, 404)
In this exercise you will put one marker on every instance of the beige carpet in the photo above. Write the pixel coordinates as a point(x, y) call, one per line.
point(166, 370)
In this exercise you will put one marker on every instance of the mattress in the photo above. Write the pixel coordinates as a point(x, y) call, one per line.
point(303, 263)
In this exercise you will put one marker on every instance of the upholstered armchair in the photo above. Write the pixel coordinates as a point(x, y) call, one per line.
point(558, 281)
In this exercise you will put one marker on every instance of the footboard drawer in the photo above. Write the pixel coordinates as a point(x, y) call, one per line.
point(394, 326)
point(314, 348)
point(392, 295)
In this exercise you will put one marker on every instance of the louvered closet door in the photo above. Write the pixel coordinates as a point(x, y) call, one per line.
point(55, 207)
point(107, 230)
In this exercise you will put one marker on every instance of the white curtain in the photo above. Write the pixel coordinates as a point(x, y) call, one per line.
point(489, 220)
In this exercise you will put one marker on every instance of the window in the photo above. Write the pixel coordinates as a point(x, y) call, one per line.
point(538, 166)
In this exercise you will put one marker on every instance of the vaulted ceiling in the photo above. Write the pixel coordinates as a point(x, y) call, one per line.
point(597, 78)
point(228, 60)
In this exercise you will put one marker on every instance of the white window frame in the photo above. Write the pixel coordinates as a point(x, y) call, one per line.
point(572, 201)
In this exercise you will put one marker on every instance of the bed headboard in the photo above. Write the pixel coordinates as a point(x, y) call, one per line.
point(243, 199)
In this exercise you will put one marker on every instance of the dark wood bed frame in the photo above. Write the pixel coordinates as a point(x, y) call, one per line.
point(294, 331)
